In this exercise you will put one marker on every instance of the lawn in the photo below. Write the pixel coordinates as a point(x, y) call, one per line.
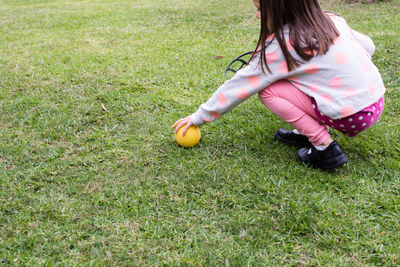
point(90, 173)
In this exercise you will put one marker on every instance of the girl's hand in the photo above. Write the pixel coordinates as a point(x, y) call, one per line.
point(181, 122)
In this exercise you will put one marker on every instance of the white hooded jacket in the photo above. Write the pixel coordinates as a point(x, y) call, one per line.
point(343, 81)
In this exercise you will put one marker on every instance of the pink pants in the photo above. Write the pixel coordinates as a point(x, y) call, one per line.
point(295, 107)
point(301, 111)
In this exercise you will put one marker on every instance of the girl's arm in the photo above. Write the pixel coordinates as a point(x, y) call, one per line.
point(229, 95)
point(244, 84)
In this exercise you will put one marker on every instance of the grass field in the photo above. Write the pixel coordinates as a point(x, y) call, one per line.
point(90, 172)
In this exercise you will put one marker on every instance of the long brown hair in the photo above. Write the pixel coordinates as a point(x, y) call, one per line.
point(311, 32)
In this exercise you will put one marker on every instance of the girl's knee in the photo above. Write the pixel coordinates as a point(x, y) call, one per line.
point(265, 94)
point(277, 89)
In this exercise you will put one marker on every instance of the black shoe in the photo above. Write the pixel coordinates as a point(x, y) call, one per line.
point(329, 158)
point(288, 137)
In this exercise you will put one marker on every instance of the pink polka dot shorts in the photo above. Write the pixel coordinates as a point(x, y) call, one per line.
point(356, 123)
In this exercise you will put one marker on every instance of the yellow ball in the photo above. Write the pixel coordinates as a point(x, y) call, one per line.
point(191, 138)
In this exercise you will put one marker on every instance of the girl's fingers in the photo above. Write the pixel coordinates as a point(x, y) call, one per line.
point(185, 129)
point(176, 123)
point(182, 123)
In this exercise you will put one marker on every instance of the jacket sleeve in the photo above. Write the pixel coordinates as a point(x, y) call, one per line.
point(244, 84)
point(364, 41)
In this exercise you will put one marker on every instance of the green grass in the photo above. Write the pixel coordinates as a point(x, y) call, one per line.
point(83, 185)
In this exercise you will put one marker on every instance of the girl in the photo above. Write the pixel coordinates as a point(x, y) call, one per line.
point(313, 71)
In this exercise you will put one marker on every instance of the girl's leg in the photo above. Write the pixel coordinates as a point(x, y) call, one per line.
point(295, 107)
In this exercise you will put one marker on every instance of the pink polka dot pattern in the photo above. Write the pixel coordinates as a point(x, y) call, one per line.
point(347, 111)
point(341, 58)
point(242, 93)
point(271, 37)
point(215, 115)
point(338, 40)
point(326, 98)
point(335, 83)
point(289, 45)
point(282, 67)
point(221, 99)
point(271, 57)
point(254, 81)
point(311, 69)
point(364, 66)
point(313, 89)
point(309, 52)
point(353, 123)
point(350, 92)
point(372, 88)
point(295, 81)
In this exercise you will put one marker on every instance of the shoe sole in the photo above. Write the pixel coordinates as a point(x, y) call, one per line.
point(328, 164)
